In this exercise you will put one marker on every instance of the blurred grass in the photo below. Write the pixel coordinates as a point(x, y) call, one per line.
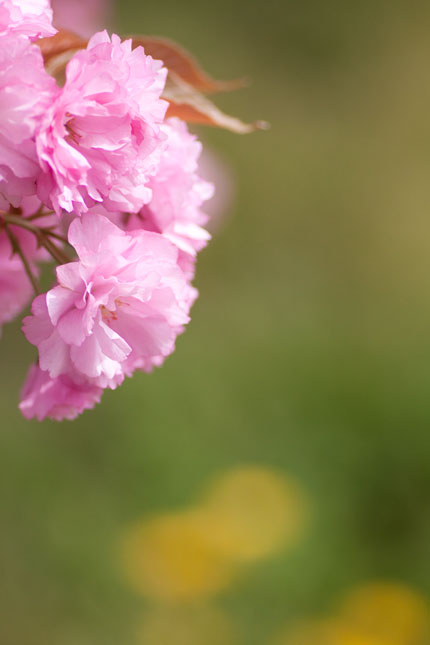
point(308, 350)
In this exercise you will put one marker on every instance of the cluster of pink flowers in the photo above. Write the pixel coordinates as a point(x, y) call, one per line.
point(95, 178)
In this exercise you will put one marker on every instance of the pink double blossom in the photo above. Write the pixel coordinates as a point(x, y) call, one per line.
point(101, 141)
point(26, 93)
point(95, 179)
point(64, 397)
point(177, 195)
point(118, 308)
point(31, 18)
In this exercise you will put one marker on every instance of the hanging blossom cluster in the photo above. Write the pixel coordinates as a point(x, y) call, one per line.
point(97, 181)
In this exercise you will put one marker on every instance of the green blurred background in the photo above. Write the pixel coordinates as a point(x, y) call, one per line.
point(308, 353)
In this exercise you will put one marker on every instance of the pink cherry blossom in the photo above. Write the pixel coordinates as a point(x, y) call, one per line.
point(31, 18)
point(64, 397)
point(101, 140)
point(26, 91)
point(177, 195)
point(83, 18)
point(95, 180)
point(118, 308)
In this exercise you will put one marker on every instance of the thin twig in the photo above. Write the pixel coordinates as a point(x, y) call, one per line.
point(23, 222)
point(40, 214)
point(59, 256)
point(16, 248)
point(57, 236)
point(42, 235)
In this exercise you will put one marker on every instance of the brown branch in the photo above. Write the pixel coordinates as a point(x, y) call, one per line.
point(16, 248)
point(59, 256)
point(42, 234)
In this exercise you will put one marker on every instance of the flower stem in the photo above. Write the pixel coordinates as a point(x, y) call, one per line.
point(42, 234)
point(40, 213)
point(16, 248)
point(59, 256)
point(16, 220)
point(57, 236)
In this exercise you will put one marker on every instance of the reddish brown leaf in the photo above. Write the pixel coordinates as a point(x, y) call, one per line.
point(181, 62)
point(190, 105)
point(63, 41)
point(56, 65)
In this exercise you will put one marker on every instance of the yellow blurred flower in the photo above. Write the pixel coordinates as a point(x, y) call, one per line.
point(253, 512)
point(393, 612)
point(169, 557)
point(185, 625)
point(373, 614)
point(248, 513)
point(325, 632)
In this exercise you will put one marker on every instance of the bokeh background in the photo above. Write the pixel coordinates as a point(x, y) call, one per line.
point(271, 483)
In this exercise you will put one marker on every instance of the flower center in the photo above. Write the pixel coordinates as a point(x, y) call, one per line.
point(107, 314)
point(71, 134)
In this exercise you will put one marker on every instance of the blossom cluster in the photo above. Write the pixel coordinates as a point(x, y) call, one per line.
point(96, 179)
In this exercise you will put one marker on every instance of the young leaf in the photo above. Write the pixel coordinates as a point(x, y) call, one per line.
point(190, 105)
point(63, 41)
point(181, 62)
